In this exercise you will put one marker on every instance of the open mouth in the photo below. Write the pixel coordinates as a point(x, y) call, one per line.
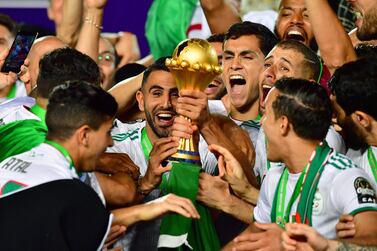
point(266, 89)
point(236, 80)
point(165, 118)
point(295, 35)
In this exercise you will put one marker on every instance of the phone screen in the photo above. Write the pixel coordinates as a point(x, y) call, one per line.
point(18, 52)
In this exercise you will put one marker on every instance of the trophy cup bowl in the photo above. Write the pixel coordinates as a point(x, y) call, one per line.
point(194, 65)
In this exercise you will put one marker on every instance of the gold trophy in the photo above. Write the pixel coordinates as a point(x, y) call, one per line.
point(194, 65)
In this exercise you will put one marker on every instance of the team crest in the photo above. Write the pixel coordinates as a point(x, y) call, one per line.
point(365, 192)
point(318, 203)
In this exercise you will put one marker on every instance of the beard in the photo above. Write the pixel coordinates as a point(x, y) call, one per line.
point(160, 132)
point(368, 30)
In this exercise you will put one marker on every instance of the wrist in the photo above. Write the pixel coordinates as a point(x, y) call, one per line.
point(143, 187)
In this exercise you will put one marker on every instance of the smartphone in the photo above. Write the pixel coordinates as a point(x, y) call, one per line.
point(19, 51)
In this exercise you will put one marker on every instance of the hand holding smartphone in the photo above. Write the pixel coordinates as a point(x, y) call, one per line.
point(19, 51)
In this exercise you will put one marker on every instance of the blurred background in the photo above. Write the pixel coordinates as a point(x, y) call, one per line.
point(120, 15)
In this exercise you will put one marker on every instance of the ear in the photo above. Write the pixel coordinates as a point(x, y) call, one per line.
point(140, 100)
point(82, 135)
point(284, 125)
point(362, 119)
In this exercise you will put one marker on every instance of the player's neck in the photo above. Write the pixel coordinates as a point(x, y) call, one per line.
point(298, 153)
point(244, 114)
point(5, 92)
point(371, 138)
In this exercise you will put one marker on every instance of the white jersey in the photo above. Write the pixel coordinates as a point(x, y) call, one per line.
point(19, 91)
point(361, 159)
point(127, 139)
point(42, 164)
point(14, 110)
point(261, 168)
point(343, 188)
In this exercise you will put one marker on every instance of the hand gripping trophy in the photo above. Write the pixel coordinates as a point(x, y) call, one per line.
point(194, 65)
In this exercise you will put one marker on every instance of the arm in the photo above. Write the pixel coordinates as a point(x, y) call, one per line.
point(91, 28)
point(119, 189)
point(231, 171)
point(69, 28)
point(214, 192)
point(125, 91)
point(154, 209)
point(366, 229)
point(194, 105)
point(220, 14)
point(333, 41)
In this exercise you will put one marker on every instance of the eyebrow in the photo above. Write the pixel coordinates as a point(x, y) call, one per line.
point(290, 8)
point(107, 51)
point(242, 53)
point(155, 87)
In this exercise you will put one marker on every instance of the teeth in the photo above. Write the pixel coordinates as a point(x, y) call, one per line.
point(236, 77)
point(164, 115)
point(266, 87)
point(295, 33)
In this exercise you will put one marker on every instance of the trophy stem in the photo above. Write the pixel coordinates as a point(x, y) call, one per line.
point(187, 151)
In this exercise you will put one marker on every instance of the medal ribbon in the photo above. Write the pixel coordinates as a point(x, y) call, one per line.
point(372, 162)
point(64, 152)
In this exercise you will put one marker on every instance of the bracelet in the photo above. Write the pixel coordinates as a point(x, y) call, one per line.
point(90, 21)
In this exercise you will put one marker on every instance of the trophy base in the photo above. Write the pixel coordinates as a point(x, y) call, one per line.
point(186, 157)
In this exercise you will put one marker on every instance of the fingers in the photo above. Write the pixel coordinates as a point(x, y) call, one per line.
point(288, 243)
point(182, 206)
point(182, 128)
point(345, 228)
point(221, 166)
point(192, 94)
point(115, 232)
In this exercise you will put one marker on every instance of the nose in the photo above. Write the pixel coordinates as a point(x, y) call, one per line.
point(236, 64)
point(166, 102)
point(297, 18)
point(269, 74)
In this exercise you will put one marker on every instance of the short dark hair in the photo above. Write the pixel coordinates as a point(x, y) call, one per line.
point(312, 62)
point(355, 86)
point(267, 39)
point(75, 104)
point(366, 50)
point(8, 23)
point(65, 64)
point(306, 105)
point(216, 38)
point(158, 65)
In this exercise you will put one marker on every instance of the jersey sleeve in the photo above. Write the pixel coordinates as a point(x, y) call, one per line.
point(262, 212)
point(352, 192)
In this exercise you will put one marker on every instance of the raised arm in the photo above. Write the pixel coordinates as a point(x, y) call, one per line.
point(333, 41)
point(91, 28)
point(124, 92)
point(220, 14)
point(69, 27)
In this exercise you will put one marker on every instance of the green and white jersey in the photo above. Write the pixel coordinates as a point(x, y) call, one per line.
point(343, 188)
point(17, 90)
point(42, 164)
point(360, 158)
point(127, 139)
point(14, 110)
point(262, 166)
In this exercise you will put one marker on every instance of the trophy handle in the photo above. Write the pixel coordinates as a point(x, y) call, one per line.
point(187, 150)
